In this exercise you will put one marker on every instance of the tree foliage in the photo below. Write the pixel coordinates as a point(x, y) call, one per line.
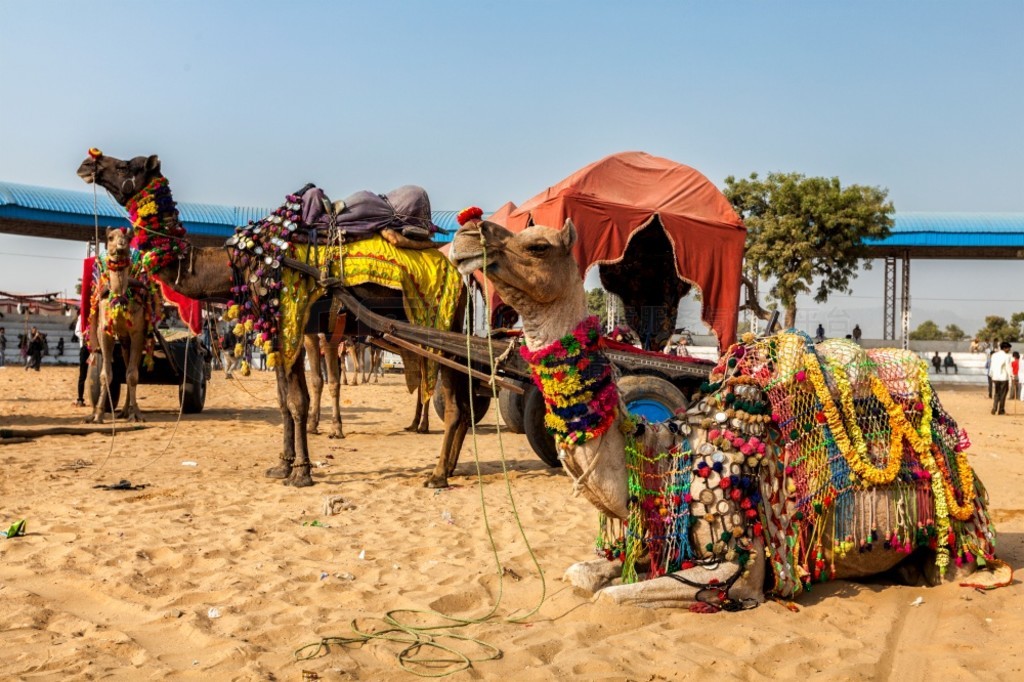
point(955, 333)
point(805, 234)
point(998, 329)
point(597, 300)
point(927, 331)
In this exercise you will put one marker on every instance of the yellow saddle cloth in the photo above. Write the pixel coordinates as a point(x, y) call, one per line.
point(429, 283)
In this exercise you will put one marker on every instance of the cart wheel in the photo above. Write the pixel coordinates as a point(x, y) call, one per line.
point(192, 396)
point(650, 397)
point(511, 406)
point(481, 403)
point(93, 380)
point(542, 442)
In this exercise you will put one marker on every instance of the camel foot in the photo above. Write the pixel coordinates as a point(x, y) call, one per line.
point(300, 477)
point(336, 433)
point(435, 481)
point(282, 470)
point(313, 429)
point(93, 419)
point(423, 429)
point(411, 428)
point(131, 417)
point(593, 575)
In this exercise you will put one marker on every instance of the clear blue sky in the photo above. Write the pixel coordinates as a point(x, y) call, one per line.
point(484, 102)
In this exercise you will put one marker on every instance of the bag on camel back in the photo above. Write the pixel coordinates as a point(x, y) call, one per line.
point(405, 210)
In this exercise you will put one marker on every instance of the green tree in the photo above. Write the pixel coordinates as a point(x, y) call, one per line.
point(998, 329)
point(955, 333)
point(596, 301)
point(805, 234)
point(927, 331)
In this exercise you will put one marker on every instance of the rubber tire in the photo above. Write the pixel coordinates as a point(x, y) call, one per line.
point(511, 406)
point(93, 386)
point(192, 397)
point(542, 442)
point(481, 403)
point(634, 387)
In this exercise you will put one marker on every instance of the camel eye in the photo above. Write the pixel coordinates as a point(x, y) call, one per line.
point(538, 249)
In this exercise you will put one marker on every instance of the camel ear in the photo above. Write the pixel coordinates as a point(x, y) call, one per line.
point(153, 164)
point(568, 234)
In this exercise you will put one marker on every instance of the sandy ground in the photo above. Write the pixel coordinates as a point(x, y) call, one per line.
point(212, 572)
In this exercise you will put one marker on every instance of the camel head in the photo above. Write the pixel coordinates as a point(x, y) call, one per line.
point(534, 271)
point(123, 179)
point(118, 242)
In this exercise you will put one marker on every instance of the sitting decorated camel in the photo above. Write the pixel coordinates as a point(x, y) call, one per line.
point(272, 271)
point(797, 464)
point(125, 308)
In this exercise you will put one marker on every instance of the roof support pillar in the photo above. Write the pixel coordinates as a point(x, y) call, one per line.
point(889, 300)
point(905, 299)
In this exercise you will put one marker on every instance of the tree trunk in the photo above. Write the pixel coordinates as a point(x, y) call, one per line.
point(790, 317)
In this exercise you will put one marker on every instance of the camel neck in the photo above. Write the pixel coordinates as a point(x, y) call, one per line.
point(556, 320)
point(159, 234)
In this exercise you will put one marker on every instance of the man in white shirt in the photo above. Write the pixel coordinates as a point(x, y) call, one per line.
point(999, 372)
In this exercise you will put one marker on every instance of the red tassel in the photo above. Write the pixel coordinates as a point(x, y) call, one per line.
point(467, 214)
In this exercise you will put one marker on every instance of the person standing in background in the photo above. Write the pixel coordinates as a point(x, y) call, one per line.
point(999, 372)
point(1015, 376)
point(83, 361)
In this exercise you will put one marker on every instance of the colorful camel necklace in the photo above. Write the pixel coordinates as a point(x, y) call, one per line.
point(158, 230)
point(575, 378)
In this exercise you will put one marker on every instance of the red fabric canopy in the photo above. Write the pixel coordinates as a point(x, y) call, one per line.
point(611, 199)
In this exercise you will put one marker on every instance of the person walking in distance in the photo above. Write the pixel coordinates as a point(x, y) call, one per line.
point(999, 371)
point(856, 333)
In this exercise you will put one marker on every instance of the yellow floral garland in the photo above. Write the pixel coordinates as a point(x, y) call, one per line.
point(856, 455)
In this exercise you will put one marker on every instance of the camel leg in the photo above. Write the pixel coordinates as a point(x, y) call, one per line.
point(284, 467)
point(424, 425)
point(456, 424)
point(132, 357)
point(342, 371)
point(297, 400)
point(334, 364)
point(666, 592)
point(311, 342)
point(105, 357)
point(352, 349)
point(375, 358)
point(418, 415)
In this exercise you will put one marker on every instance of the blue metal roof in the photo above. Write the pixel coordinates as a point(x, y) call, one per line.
point(955, 230)
point(29, 202)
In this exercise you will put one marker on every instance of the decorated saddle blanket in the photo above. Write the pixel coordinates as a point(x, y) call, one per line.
point(822, 454)
point(272, 302)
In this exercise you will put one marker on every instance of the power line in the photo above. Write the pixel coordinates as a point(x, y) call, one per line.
point(35, 255)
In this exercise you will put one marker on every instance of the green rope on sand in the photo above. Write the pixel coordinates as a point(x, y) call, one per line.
point(423, 638)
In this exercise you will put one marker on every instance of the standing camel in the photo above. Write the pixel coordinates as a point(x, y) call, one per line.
point(769, 475)
point(124, 309)
point(207, 273)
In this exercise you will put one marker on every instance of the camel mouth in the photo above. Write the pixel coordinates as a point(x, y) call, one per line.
point(469, 265)
point(89, 176)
